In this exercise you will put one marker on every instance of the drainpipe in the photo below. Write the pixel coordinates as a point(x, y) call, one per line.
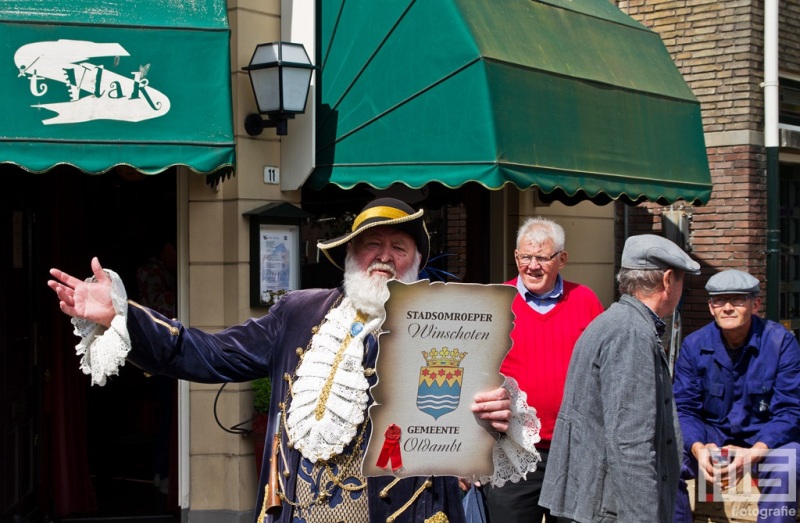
point(771, 102)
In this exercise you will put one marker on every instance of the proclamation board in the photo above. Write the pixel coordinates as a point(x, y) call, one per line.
point(441, 344)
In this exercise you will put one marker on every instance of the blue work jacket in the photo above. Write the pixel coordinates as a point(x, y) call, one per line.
point(754, 399)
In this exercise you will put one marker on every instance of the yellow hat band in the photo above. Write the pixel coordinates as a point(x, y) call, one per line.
point(389, 213)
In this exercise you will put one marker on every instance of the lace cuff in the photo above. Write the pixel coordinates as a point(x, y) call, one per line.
point(103, 351)
point(514, 454)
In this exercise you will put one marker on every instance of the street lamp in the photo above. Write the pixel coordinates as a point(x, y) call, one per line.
point(280, 74)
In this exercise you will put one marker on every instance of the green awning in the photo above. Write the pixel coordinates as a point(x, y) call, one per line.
point(571, 96)
point(96, 84)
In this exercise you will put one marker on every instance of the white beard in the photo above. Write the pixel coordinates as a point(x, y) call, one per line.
point(369, 293)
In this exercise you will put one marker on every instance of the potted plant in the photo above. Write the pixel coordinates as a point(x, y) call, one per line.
point(262, 391)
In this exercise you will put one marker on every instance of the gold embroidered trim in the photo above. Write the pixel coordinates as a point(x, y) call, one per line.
point(439, 517)
point(385, 490)
point(263, 513)
point(172, 329)
point(389, 213)
point(335, 479)
point(319, 411)
point(418, 493)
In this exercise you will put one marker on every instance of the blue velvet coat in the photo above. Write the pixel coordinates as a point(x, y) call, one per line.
point(267, 346)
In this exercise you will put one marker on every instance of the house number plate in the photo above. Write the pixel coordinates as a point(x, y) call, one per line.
point(272, 175)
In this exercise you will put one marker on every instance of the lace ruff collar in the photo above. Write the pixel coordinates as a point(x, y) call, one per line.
point(329, 393)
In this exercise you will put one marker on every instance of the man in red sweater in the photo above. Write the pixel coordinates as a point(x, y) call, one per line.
point(551, 314)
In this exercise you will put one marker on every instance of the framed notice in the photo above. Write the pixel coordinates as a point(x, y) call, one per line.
point(442, 343)
point(274, 251)
point(277, 262)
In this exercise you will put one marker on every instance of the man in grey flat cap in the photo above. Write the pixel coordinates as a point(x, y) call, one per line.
point(615, 454)
point(737, 386)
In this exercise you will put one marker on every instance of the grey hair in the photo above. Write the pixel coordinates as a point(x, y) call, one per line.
point(540, 230)
point(637, 282)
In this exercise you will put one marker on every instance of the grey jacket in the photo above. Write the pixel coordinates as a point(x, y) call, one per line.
point(615, 455)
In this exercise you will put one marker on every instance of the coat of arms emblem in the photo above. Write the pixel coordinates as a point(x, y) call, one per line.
point(440, 381)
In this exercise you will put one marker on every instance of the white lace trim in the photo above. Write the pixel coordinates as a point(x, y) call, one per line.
point(103, 351)
point(348, 399)
point(514, 454)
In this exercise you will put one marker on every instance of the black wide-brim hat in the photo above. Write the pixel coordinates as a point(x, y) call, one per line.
point(381, 212)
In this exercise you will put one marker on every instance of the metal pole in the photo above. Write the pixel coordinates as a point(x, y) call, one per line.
point(771, 104)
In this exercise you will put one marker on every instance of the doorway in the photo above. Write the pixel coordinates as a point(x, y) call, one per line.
point(94, 450)
point(20, 382)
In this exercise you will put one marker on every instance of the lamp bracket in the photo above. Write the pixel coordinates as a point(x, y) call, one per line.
point(254, 124)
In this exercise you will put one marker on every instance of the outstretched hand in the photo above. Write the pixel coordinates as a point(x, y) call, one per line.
point(88, 300)
point(494, 406)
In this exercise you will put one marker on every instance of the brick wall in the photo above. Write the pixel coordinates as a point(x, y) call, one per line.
point(789, 44)
point(456, 245)
point(718, 47)
point(729, 233)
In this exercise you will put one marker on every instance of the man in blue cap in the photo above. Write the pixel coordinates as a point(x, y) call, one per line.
point(737, 386)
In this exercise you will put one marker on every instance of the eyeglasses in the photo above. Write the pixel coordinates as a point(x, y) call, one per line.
point(526, 259)
point(738, 300)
